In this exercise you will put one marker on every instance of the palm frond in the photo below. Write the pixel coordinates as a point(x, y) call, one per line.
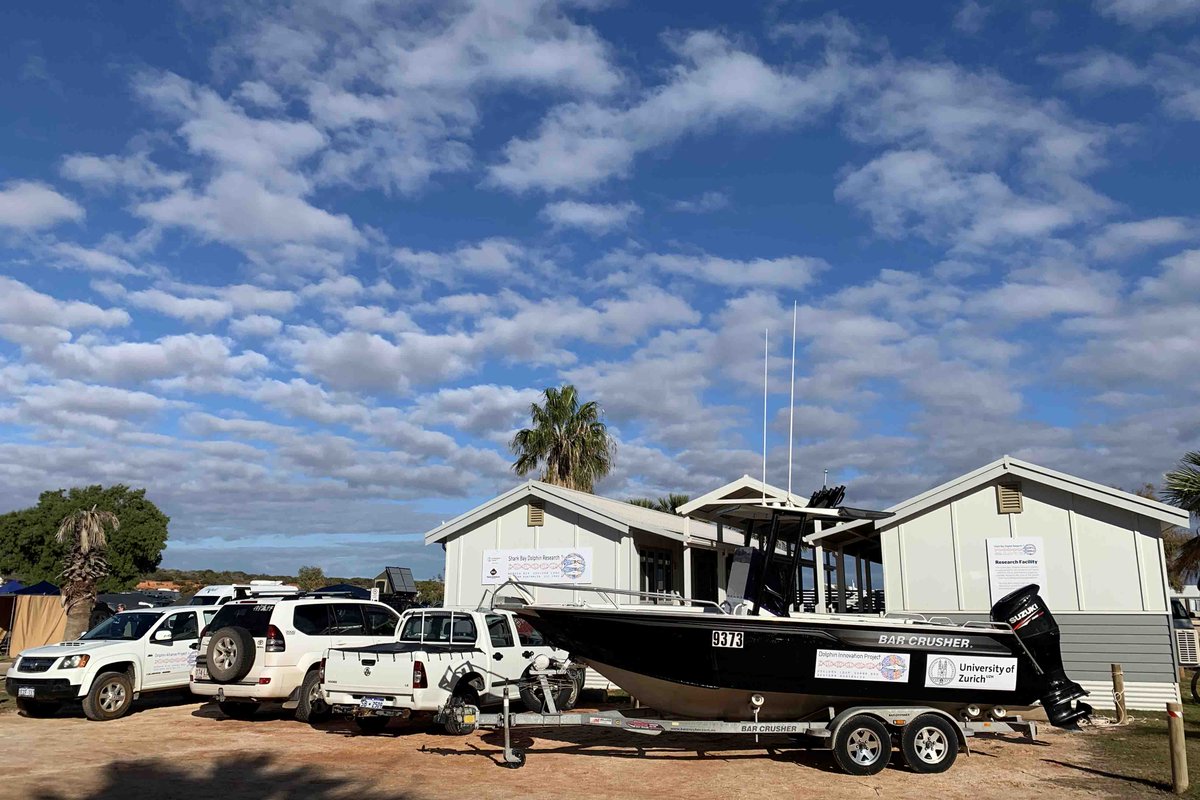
point(567, 441)
point(1182, 484)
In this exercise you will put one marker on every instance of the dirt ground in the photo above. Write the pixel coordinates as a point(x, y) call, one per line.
point(176, 748)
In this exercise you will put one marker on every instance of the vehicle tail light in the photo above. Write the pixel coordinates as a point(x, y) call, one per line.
point(321, 671)
point(419, 681)
point(263, 681)
point(275, 642)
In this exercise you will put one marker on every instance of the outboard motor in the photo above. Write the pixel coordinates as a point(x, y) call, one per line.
point(1034, 625)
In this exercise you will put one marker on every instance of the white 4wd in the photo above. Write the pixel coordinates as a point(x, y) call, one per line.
point(441, 657)
point(111, 665)
point(268, 649)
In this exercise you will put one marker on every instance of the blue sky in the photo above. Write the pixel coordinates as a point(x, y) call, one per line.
point(300, 270)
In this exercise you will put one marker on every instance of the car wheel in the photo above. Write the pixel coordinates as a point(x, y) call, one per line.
point(109, 698)
point(463, 696)
point(38, 709)
point(862, 746)
point(312, 706)
point(929, 744)
point(230, 654)
point(371, 724)
point(235, 710)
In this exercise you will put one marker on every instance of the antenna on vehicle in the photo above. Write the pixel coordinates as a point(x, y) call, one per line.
point(825, 480)
point(766, 355)
point(792, 403)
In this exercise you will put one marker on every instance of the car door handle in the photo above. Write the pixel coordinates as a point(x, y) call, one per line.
point(527, 654)
point(497, 656)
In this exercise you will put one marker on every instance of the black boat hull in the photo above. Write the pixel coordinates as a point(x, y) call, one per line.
point(708, 665)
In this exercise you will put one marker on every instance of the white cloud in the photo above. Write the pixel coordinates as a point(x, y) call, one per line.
point(23, 306)
point(135, 171)
point(788, 272)
point(1097, 69)
point(495, 257)
point(1123, 239)
point(184, 356)
point(971, 17)
point(189, 309)
point(256, 325)
point(94, 260)
point(703, 204)
point(579, 145)
point(1148, 13)
point(592, 217)
point(29, 205)
point(237, 209)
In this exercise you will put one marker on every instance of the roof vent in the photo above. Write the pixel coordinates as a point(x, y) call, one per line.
point(1008, 498)
point(535, 514)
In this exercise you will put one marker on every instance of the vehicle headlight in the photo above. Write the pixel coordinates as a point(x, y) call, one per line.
point(74, 662)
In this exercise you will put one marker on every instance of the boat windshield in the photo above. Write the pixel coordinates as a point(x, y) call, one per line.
point(127, 626)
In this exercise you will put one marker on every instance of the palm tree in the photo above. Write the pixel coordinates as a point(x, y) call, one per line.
point(83, 530)
point(1183, 489)
point(567, 441)
point(669, 504)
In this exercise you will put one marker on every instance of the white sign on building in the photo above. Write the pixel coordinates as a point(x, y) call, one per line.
point(545, 565)
point(1013, 563)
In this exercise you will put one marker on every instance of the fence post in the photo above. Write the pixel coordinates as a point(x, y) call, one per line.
point(1179, 768)
point(1118, 682)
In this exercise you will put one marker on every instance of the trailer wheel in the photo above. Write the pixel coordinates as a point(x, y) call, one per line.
point(862, 746)
point(929, 744)
point(518, 760)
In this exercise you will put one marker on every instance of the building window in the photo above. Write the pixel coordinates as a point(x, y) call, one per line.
point(658, 570)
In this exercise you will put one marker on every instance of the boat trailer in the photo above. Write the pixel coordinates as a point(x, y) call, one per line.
point(861, 737)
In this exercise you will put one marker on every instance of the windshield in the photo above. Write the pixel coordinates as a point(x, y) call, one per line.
point(210, 600)
point(126, 626)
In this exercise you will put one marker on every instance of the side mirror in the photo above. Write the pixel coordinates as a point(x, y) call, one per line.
point(162, 635)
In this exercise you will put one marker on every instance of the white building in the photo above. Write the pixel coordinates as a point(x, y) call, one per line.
point(1100, 549)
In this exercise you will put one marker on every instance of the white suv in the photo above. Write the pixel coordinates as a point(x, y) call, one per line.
point(269, 649)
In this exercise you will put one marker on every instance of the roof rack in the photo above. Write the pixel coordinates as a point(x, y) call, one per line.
point(292, 596)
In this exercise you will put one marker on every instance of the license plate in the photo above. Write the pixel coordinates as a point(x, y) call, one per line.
point(372, 703)
point(727, 639)
point(201, 674)
point(24, 691)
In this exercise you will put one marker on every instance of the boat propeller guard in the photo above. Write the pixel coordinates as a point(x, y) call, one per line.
point(1027, 614)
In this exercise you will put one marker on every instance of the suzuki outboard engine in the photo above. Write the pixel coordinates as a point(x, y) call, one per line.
point(1034, 625)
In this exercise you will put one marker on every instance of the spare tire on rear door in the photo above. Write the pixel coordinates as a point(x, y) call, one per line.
point(230, 654)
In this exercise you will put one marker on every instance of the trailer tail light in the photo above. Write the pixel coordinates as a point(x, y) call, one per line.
point(275, 642)
point(419, 681)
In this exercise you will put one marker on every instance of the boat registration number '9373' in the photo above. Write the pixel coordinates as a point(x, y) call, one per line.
point(727, 639)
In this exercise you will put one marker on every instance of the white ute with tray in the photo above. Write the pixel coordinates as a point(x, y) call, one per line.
point(445, 658)
point(110, 666)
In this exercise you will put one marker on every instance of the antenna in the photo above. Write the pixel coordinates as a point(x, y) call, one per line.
point(825, 482)
point(792, 403)
point(766, 355)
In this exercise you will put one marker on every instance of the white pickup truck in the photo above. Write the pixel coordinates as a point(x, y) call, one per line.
point(441, 657)
point(106, 669)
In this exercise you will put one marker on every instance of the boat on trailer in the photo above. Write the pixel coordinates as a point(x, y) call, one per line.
point(757, 657)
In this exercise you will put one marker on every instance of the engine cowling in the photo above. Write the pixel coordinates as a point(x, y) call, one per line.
point(1031, 620)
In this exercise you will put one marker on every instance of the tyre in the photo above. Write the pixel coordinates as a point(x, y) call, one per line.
point(532, 695)
point(230, 654)
point(235, 710)
point(38, 709)
point(578, 676)
point(110, 697)
point(929, 744)
point(312, 707)
point(371, 724)
point(465, 696)
point(862, 746)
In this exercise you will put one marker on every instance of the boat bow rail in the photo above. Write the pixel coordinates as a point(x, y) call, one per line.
point(606, 592)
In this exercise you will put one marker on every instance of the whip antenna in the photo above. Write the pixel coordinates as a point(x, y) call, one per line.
point(766, 354)
point(792, 403)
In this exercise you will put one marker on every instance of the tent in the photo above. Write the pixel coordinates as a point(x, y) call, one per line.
point(11, 587)
point(36, 617)
point(356, 592)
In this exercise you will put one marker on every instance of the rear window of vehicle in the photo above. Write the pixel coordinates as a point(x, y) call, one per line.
point(439, 628)
point(254, 617)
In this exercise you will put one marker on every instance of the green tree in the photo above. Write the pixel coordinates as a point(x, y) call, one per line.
point(1182, 488)
point(431, 591)
point(28, 548)
point(568, 441)
point(83, 531)
point(670, 504)
point(310, 578)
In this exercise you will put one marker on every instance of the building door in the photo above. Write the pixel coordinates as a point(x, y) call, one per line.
point(657, 571)
point(704, 574)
